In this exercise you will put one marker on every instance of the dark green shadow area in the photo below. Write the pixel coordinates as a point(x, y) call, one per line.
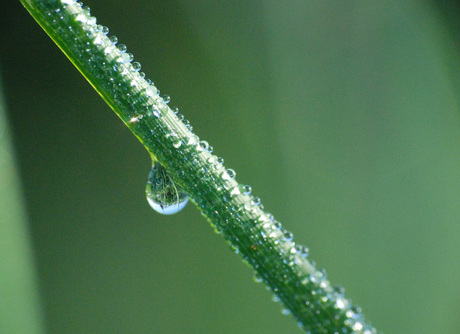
point(20, 310)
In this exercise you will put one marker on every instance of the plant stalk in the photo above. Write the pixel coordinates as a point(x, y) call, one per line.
point(278, 261)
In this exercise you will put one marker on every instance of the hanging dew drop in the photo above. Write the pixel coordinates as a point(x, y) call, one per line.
point(163, 194)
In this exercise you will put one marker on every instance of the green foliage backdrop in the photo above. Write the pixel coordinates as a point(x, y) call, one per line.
point(344, 118)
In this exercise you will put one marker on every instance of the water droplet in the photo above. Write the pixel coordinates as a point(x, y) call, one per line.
point(97, 40)
point(235, 249)
point(105, 30)
point(285, 311)
point(369, 330)
point(302, 251)
point(175, 110)
point(91, 20)
point(276, 225)
point(150, 91)
point(82, 18)
point(122, 48)
point(108, 50)
point(166, 98)
point(137, 66)
point(288, 236)
point(229, 174)
point(220, 161)
point(357, 326)
point(113, 39)
point(125, 58)
point(339, 291)
point(193, 140)
point(265, 217)
point(247, 189)
point(177, 143)
point(318, 276)
point(257, 278)
point(163, 194)
point(203, 145)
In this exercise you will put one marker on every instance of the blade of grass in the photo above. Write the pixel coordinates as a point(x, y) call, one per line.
point(282, 265)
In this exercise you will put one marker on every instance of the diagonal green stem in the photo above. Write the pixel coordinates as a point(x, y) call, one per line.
point(282, 265)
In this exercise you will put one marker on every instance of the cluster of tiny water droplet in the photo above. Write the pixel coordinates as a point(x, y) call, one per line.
point(140, 92)
point(246, 211)
point(237, 214)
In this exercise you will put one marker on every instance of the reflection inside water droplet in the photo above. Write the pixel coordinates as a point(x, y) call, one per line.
point(163, 194)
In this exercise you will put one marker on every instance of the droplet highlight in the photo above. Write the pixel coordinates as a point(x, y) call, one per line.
point(163, 194)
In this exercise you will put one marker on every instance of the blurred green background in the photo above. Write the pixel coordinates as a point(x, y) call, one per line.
point(344, 118)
